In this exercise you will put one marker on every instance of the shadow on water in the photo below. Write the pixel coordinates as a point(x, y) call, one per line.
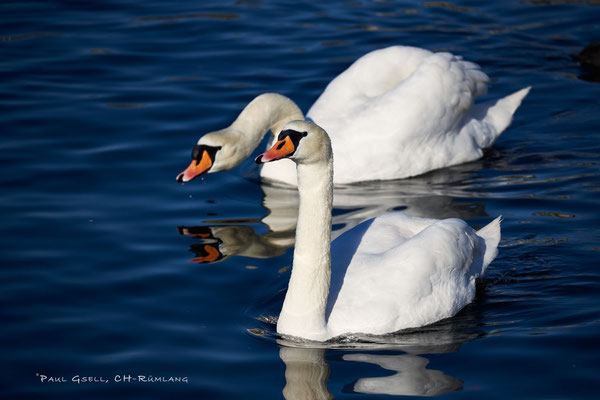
point(589, 60)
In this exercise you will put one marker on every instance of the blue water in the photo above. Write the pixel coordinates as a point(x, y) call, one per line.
point(101, 104)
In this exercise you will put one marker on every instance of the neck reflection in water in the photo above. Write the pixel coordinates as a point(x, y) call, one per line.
point(307, 369)
point(307, 372)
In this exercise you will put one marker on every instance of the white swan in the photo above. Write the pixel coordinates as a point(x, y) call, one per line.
point(393, 272)
point(395, 113)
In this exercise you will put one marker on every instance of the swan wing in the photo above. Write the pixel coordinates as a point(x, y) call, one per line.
point(402, 111)
point(397, 112)
point(408, 272)
point(369, 77)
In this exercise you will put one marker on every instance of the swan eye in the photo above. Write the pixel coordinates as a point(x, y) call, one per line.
point(295, 136)
point(199, 149)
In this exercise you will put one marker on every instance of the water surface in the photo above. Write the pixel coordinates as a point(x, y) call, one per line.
point(101, 105)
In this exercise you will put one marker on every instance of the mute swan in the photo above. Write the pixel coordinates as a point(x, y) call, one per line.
point(395, 113)
point(394, 271)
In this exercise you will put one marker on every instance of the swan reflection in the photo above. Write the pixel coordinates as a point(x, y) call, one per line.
point(307, 373)
point(307, 369)
point(431, 196)
point(219, 242)
point(411, 378)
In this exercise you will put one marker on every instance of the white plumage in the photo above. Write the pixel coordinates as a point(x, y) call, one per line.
point(386, 274)
point(402, 111)
point(394, 113)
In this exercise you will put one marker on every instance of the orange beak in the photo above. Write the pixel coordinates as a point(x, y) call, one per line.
point(211, 254)
point(197, 167)
point(281, 149)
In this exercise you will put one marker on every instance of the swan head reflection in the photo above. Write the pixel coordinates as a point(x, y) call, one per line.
point(218, 242)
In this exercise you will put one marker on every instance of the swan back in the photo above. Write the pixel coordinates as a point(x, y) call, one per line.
point(402, 111)
point(397, 112)
point(368, 77)
point(395, 78)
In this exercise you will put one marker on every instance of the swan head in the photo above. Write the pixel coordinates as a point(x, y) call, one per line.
point(302, 142)
point(216, 151)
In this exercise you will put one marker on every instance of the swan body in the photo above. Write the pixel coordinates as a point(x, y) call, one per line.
point(394, 113)
point(395, 280)
point(389, 273)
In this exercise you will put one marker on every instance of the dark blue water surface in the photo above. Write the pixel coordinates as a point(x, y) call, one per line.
point(101, 104)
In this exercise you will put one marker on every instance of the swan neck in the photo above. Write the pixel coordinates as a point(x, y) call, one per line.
point(303, 313)
point(269, 111)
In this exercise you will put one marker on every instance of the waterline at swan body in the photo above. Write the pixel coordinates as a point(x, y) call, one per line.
point(394, 113)
point(395, 271)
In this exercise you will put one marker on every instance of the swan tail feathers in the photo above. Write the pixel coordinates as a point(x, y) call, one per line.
point(495, 116)
point(491, 235)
